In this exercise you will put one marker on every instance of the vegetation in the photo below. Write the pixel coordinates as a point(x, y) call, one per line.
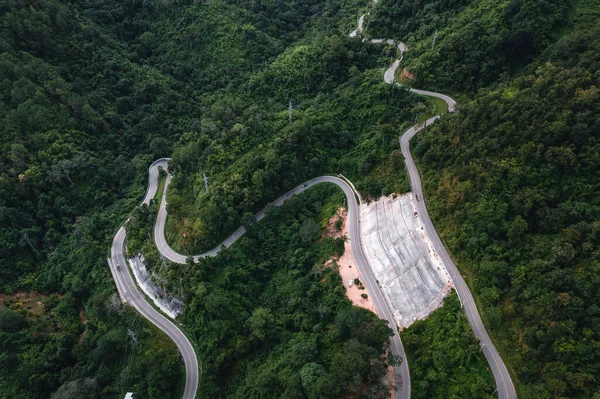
point(52, 347)
point(252, 155)
point(444, 356)
point(271, 321)
point(478, 41)
point(512, 186)
point(91, 93)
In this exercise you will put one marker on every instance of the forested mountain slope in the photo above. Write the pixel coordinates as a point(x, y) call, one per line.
point(91, 92)
point(273, 322)
point(512, 182)
point(476, 41)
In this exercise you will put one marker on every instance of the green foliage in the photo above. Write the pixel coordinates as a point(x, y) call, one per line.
point(345, 120)
point(90, 93)
point(272, 322)
point(51, 351)
point(478, 41)
point(11, 321)
point(512, 187)
point(444, 356)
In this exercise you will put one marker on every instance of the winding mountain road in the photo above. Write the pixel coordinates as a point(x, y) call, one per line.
point(504, 384)
point(370, 282)
point(130, 293)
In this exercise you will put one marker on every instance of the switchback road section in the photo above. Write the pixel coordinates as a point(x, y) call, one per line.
point(130, 294)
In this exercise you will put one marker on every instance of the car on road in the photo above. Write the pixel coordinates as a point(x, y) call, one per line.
point(305, 185)
point(417, 196)
point(118, 268)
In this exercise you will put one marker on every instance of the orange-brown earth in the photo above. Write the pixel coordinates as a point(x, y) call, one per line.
point(346, 265)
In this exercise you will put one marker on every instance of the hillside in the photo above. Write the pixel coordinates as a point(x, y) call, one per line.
point(477, 42)
point(92, 92)
point(512, 183)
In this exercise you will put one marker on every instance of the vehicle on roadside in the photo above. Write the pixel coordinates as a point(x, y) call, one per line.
point(305, 185)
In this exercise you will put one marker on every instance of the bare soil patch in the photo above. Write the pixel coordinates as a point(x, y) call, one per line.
point(28, 300)
point(406, 76)
point(346, 265)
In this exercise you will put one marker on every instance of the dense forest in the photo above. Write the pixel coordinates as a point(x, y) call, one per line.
point(444, 356)
point(254, 157)
point(276, 324)
point(70, 152)
point(270, 320)
point(92, 92)
point(512, 184)
point(476, 41)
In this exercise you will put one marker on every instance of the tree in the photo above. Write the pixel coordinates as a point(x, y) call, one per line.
point(248, 220)
point(309, 375)
point(261, 324)
point(11, 321)
point(309, 230)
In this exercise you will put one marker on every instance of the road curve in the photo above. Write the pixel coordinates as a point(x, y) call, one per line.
point(506, 388)
point(130, 294)
point(370, 282)
point(504, 384)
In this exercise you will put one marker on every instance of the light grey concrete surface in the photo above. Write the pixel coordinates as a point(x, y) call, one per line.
point(130, 294)
point(412, 279)
point(359, 28)
point(168, 304)
point(504, 384)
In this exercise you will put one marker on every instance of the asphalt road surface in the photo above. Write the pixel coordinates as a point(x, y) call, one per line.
point(504, 384)
point(131, 295)
point(506, 389)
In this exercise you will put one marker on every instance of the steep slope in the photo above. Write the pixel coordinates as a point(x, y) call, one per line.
point(476, 41)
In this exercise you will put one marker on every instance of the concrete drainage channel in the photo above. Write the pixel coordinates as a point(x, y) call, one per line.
point(504, 384)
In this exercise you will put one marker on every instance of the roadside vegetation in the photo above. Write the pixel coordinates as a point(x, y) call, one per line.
point(91, 94)
point(272, 322)
point(445, 358)
point(345, 120)
point(478, 42)
point(512, 188)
